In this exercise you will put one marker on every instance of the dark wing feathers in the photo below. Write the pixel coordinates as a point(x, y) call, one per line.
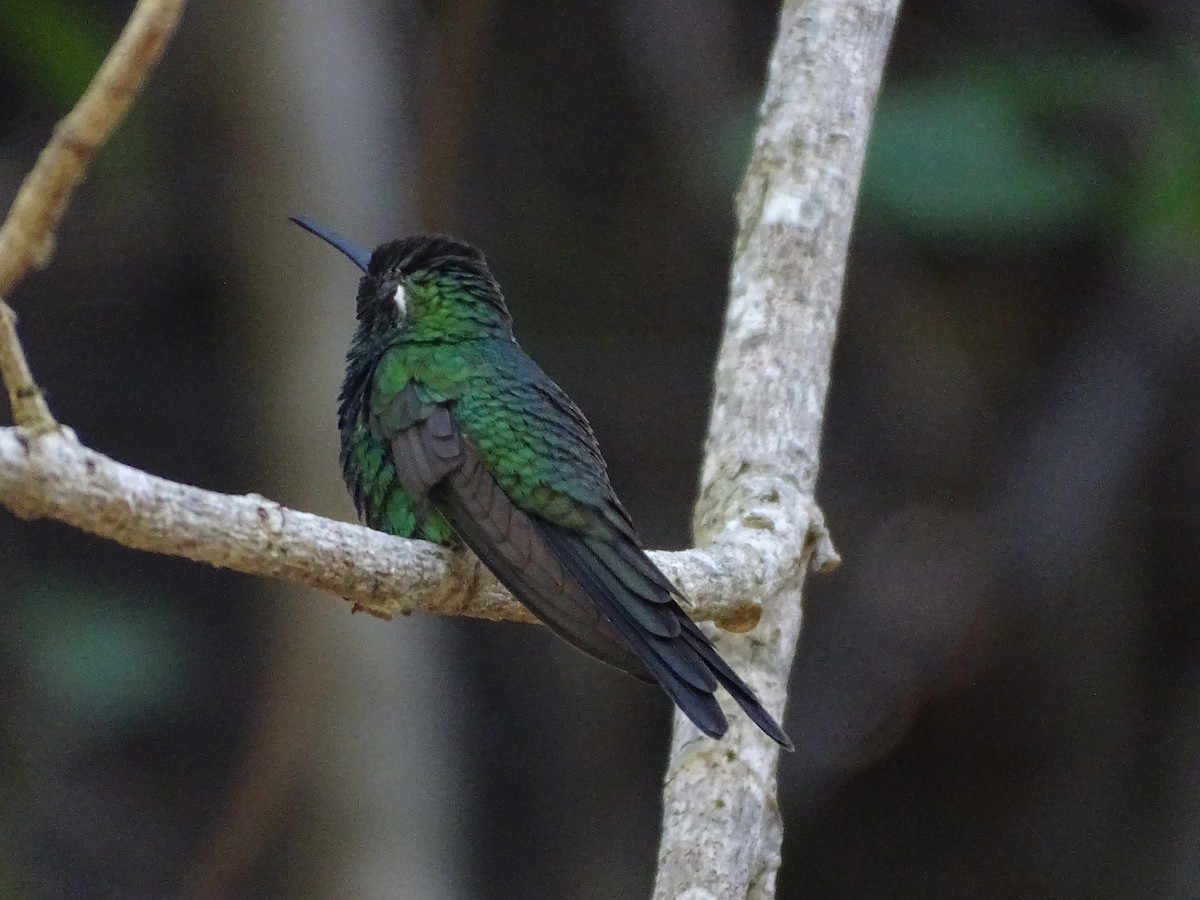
point(621, 555)
point(619, 583)
point(600, 591)
point(405, 409)
point(422, 460)
point(506, 541)
point(617, 575)
point(436, 464)
point(628, 613)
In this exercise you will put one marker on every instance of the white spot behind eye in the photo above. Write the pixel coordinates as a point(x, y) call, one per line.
point(401, 300)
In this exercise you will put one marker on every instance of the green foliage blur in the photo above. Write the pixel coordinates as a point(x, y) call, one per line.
point(1008, 151)
point(56, 44)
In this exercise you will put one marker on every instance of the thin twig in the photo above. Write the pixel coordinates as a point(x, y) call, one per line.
point(28, 404)
point(27, 236)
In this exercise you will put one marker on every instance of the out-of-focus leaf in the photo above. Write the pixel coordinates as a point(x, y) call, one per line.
point(99, 656)
point(961, 160)
point(1164, 201)
point(56, 43)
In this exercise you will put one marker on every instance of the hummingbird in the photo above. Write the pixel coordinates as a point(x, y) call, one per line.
point(451, 433)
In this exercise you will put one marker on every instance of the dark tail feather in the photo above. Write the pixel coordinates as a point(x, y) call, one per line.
point(680, 658)
point(660, 658)
point(737, 688)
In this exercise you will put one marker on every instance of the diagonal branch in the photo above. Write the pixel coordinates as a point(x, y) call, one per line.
point(28, 404)
point(46, 472)
point(52, 475)
point(27, 237)
point(722, 828)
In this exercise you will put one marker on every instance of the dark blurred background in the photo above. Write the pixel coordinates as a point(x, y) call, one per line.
point(997, 696)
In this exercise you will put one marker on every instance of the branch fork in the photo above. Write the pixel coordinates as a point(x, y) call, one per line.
point(756, 516)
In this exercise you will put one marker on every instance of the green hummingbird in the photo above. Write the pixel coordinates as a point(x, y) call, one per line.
point(450, 432)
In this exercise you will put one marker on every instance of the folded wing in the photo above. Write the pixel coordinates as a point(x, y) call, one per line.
point(598, 589)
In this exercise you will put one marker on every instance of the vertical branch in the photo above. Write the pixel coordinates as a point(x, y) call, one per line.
point(28, 403)
point(722, 829)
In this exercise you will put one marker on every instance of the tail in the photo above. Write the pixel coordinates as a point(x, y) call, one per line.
point(599, 590)
point(639, 602)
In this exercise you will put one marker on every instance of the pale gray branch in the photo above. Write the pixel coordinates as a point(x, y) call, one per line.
point(52, 475)
point(722, 831)
point(722, 828)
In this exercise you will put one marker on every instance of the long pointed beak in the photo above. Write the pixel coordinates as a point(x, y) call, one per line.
point(354, 253)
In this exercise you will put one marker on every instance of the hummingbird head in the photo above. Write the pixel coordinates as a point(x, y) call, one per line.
point(427, 284)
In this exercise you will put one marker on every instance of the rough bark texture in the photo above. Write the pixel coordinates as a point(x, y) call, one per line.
point(52, 475)
point(722, 828)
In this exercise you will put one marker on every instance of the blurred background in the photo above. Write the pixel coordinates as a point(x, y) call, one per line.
point(999, 693)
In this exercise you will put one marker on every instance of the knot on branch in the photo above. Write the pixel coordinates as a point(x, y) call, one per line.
point(824, 556)
point(270, 516)
point(463, 581)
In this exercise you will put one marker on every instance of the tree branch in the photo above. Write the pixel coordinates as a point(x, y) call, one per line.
point(51, 474)
point(46, 472)
point(27, 237)
point(29, 405)
point(722, 829)
point(721, 824)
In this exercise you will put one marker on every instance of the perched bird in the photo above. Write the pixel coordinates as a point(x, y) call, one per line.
point(450, 431)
